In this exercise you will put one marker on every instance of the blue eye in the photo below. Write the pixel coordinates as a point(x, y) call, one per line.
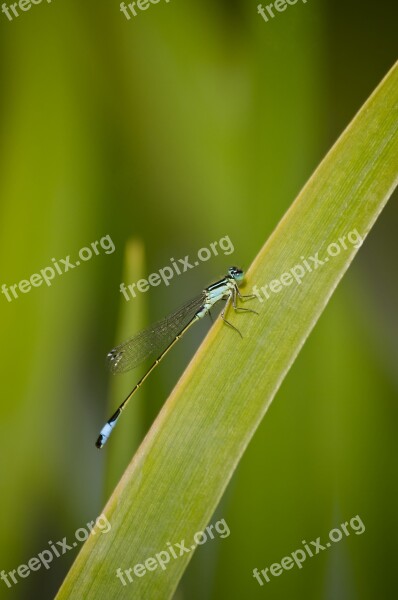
point(236, 273)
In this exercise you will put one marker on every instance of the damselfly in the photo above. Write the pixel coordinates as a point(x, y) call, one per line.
point(161, 337)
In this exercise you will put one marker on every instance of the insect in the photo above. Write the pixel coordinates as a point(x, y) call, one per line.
point(162, 336)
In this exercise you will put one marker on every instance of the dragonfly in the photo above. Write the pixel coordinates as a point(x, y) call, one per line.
point(159, 338)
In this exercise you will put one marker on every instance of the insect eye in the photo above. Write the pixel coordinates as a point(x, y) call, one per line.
point(236, 273)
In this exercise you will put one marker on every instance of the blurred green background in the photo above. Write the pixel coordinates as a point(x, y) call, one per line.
point(190, 122)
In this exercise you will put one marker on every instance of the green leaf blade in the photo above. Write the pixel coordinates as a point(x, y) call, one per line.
point(178, 475)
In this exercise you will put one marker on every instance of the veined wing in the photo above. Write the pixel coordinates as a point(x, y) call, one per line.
point(155, 338)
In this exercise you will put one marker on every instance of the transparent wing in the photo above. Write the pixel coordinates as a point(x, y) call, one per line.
point(155, 338)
